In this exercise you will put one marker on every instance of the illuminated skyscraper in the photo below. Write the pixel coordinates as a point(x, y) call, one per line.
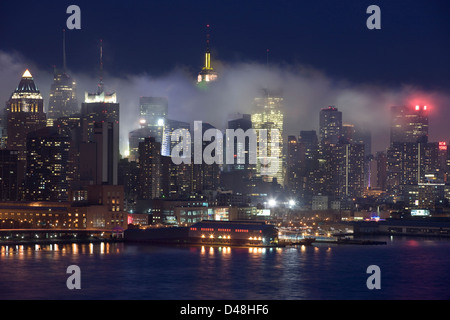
point(409, 124)
point(25, 113)
point(153, 115)
point(149, 186)
point(100, 127)
point(207, 74)
point(169, 127)
point(330, 125)
point(47, 163)
point(269, 115)
point(63, 97)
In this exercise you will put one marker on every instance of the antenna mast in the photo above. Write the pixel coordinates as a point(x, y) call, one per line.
point(64, 51)
point(100, 85)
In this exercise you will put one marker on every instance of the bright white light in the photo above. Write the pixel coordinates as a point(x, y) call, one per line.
point(291, 203)
point(142, 121)
point(160, 122)
point(272, 203)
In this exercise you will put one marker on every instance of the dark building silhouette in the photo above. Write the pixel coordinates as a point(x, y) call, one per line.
point(47, 162)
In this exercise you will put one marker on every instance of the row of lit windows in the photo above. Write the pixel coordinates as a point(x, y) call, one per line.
point(219, 229)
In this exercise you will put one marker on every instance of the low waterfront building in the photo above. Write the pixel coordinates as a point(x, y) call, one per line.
point(210, 232)
point(59, 215)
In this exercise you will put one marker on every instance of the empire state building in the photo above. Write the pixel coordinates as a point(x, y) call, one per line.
point(207, 74)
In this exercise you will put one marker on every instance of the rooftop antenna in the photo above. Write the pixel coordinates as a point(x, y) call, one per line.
point(100, 84)
point(207, 37)
point(208, 52)
point(64, 51)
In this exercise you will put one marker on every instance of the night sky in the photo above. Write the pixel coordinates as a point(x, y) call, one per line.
point(155, 37)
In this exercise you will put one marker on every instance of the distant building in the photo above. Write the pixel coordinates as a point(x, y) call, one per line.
point(47, 163)
point(207, 74)
point(9, 183)
point(169, 127)
point(63, 97)
point(269, 115)
point(25, 113)
point(149, 169)
point(409, 124)
point(330, 125)
point(153, 115)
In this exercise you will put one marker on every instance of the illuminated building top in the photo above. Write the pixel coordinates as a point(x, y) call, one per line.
point(207, 74)
point(26, 89)
point(100, 97)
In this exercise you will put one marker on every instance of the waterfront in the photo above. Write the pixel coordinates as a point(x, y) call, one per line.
point(411, 268)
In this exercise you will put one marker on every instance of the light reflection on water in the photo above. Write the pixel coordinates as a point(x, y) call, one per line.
point(411, 269)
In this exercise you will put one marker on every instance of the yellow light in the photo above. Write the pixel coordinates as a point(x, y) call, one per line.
point(203, 235)
point(27, 74)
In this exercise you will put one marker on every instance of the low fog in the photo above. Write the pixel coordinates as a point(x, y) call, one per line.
point(305, 91)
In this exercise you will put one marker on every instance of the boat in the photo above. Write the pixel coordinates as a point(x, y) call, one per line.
point(304, 242)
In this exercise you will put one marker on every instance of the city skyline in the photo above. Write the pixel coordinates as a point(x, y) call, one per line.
point(268, 150)
point(307, 87)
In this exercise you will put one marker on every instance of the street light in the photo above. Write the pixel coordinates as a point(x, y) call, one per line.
point(272, 202)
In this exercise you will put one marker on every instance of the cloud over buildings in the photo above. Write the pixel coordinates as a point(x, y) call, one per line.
point(305, 91)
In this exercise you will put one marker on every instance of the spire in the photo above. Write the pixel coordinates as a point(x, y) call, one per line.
point(100, 84)
point(207, 38)
point(208, 52)
point(64, 51)
point(27, 74)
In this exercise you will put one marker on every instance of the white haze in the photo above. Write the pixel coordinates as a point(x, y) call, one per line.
point(305, 91)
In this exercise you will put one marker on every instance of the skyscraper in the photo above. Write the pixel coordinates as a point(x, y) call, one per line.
point(169, 127)
point(330, 125)
point(269, 115)
point(293, 166)
point(410, 163)
point(9, 183)
point(63, 97)
point(409, 124)
point(153, 115)
point(100, 134)
point(149, 186)
point(47, 162)
point(25, 113)
point(207, 74)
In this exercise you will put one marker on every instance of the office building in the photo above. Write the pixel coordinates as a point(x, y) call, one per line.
point(25, 114)
point(409, 124)
point(269, 115)
point(153, 115)
point(330, 125)
point(47, 162)
point(9, 183)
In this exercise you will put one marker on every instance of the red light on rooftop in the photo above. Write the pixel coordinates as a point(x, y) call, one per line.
point(424, 107)
point(417, 108)
point(442, 145)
